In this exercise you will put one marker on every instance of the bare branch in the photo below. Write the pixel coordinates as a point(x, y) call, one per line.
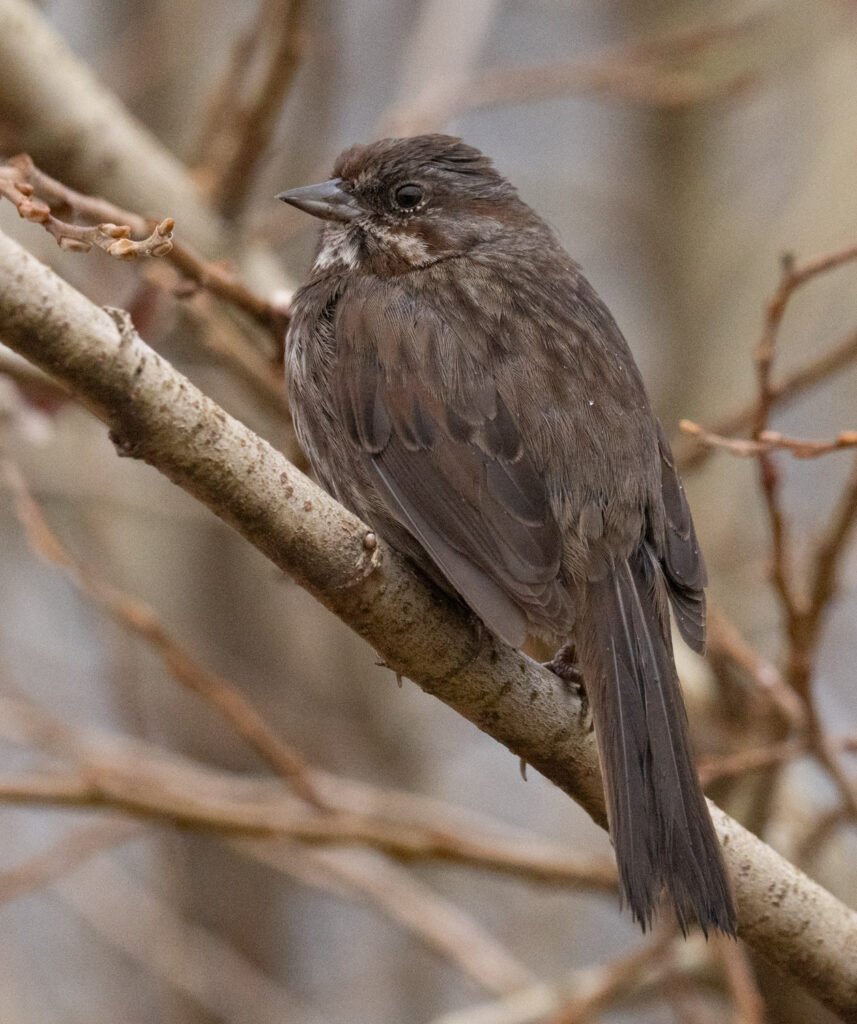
point(247, 103)
point(142, 620)
point(691, 455)
point(137, 778)
point(114, 239)
point(21, 182)
point(769, 441)
point(72, 850)
point(67, 119)
point(437, 922)
point(804, 613)
point(615, 980)
point(638, 72)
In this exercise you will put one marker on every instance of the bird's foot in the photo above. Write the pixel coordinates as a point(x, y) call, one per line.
point(565, 665)
point(367, 562)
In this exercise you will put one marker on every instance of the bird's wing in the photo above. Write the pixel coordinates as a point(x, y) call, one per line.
point(681, 558)
point(447, 460)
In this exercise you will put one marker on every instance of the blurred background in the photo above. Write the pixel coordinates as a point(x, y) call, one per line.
point(680, 149)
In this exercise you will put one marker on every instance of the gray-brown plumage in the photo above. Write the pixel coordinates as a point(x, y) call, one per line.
point(457, 383)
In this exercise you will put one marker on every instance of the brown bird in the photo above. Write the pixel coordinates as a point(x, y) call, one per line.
point(456, 382)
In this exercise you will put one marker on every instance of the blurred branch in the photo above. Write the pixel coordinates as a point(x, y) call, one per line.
point(141, 619)
point(755, 759)
point(614, 981)
point(246, 105)
point(443, 45)
point(691, 454)
point(769, 441)
point(821, 832)
point(746, 998)
point(66, 119)
point(149, 929)
point(641, 977)
point(436, 921)
point(73, 125)
point(724, 641)
point(638, 72)
point(37, 385)
point(124, 774)
point(73, 849)
point(750, 760)
point(804, 611)
point(157, 415)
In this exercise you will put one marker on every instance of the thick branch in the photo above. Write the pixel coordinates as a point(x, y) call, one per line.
point(157, 415)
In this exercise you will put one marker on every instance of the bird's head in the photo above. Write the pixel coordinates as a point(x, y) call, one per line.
point(399, 204)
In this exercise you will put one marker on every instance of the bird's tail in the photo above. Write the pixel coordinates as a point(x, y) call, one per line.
point(659, 822)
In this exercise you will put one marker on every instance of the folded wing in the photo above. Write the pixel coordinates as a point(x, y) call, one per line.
point(447, 460)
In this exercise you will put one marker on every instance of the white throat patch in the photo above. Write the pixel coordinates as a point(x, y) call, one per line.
point(339, 248)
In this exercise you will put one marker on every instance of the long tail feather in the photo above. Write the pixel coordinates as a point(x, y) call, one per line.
point(660, 825)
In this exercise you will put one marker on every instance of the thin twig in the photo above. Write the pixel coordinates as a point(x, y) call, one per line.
point(614, 981)
point(20, 180)
point(691, 454)
point(438, 922)
point(139, 779)
point(769, 441)
point(829, 547)
point(791, 279)
point(73, 849)
point(239, 126)
point(142, 620)
point(637, 72)
point(746, 998)
point(114, 239)
point(803, 613)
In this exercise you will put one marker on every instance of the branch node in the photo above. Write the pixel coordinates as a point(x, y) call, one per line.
point(125, 447)
point(124, 324)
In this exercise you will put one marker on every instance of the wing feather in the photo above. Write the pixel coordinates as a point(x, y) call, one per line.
point(683, 565)
point(452, 470)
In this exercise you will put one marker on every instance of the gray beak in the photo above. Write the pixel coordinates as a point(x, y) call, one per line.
point(327, 200)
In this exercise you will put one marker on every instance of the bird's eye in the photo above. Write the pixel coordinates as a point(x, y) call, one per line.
point(408, 197)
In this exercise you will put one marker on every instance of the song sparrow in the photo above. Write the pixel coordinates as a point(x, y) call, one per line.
point(456, 382)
